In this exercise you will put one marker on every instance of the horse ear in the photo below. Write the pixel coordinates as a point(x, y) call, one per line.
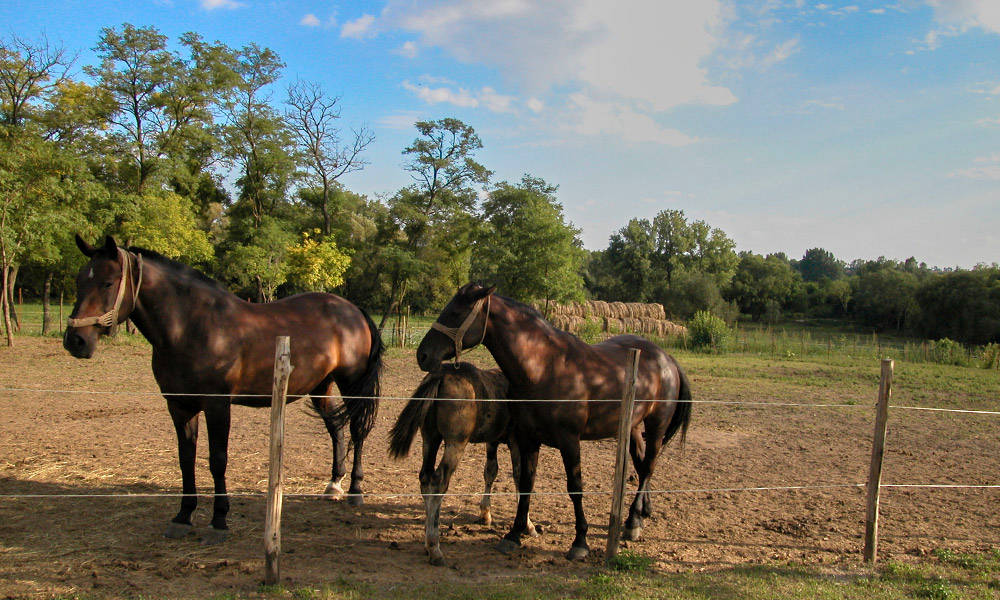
point(110, 247)
point(84, 247)
point(483, 292)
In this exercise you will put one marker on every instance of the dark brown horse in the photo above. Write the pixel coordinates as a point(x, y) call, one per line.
point(211, 349)
point(444, 409)
point(579, 387)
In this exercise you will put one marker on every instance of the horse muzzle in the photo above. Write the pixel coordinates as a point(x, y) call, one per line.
point(79, 345)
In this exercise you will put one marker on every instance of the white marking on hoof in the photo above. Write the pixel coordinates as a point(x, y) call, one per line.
point(577, 553)
point(485, 516)
point(333, 490)
point(632, 535)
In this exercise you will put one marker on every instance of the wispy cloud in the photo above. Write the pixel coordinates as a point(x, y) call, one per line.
point(359, 28)
point(216, 4)
point(986, 168)
point(965, 14)
point(597, 118)
point(408, 50)
point(399, 120)
point(310, 20)
point(460, 97)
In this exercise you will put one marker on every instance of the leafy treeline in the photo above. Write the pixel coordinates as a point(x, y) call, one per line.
point(193, 149)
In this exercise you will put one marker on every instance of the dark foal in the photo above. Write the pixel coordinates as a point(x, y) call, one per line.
point(211, 349)
point(579, 387)
point(457, 423)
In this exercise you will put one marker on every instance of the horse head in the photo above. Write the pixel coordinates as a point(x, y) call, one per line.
point(460, 326)
point(100, 293)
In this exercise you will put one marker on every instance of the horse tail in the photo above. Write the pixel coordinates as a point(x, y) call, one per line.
point(682, 410)
point(413, 416)
point(361, 396)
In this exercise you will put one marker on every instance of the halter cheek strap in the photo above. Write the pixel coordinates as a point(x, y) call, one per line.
point(110, 318)
point(456, 334)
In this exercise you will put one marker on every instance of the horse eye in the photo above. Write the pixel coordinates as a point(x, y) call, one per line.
point(106, 284)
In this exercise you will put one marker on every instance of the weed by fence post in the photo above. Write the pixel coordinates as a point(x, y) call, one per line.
point(878, 453)
point(624, 435)
point(275, 477)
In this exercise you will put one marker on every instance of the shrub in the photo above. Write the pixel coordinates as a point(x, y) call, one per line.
point(948, 352)
point(708, 331)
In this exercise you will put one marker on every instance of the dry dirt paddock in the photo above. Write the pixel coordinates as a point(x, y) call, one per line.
point(122, 442)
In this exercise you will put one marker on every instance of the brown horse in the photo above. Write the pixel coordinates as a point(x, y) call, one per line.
point(444, 410)
point(578, 387)
point(211, 349)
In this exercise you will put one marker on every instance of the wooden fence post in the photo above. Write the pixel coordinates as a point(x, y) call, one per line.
point(878, 452)
point(624, 438)
point(275, 477)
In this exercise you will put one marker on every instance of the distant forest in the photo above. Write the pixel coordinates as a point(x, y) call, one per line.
point(139, 145)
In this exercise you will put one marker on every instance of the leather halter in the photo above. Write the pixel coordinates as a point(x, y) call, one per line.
point(110, 318)
point(456, 334)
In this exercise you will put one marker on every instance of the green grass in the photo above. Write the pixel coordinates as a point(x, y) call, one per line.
point(943, 576)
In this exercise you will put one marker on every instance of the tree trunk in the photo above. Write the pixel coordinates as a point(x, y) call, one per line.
point(392, 302)
point(46, 290)
point(8, 330)
point(11, 282)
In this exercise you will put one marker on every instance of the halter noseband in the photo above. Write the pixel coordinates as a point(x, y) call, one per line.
point(456, 334)
point(110, 318)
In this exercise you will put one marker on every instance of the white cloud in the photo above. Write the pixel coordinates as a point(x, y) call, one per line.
point(779, 54)
point(487, 97)
point(993, 121)
point(535, 105)
point(650, 52)
point(987, 168)
point(430, 95)
point(310, 20)
point(966, 14)
point(408, 50)
point(358, 28)
point(226, 4)
point(593, 117)
point(495, 102)
point(400, 120)
point(877, 11)
point(813, 105)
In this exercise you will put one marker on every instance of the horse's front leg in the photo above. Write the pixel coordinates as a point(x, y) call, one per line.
point(185, 420)
point(217, 421)
point(515, 466)
point(574, 485)
point(525, 485)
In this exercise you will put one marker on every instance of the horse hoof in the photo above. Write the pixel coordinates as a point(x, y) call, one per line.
point(333, 491)
point(435, 557)
point(632, 534)
point(176, 531)
point(214, 536)
point(485, 517)
point(577, 553)
point(533, 530)
point(355, 499)
point(508, 546)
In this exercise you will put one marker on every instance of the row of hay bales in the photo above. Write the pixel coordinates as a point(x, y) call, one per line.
point(614, 317)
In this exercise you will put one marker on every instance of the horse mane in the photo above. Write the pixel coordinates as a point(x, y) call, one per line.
point(181, 269)
point(531, 310)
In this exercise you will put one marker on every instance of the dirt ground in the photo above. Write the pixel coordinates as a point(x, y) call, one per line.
point(122, 442)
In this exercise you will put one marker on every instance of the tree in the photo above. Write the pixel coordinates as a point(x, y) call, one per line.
point(443, 166)
point(312, 117)
point(166, 222)
point(316, 266)
point(885, 297)
point(962, 305)
point(630, 254)
point(528, 250)
point(29, 72)
point(257, 140)
point(673, 239)
point(762, 284)
point(818, 263)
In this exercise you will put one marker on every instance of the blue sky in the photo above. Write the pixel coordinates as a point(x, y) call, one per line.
point(864, 127)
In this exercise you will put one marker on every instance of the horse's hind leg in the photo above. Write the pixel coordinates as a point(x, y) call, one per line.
point(355, 496)
point(574, 485)
point(526, 483)
point(217, 418)
point(515, 464)
point(324, 403)
point(637, 450)
point(185, 420)
point(489, 476)
point(655, 428)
